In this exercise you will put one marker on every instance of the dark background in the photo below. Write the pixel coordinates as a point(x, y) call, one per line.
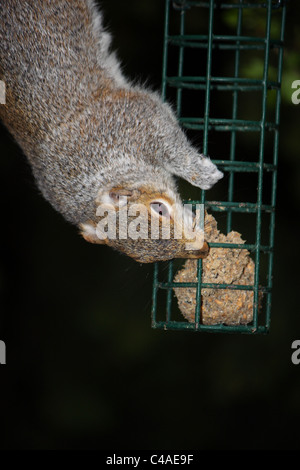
point(84, 368)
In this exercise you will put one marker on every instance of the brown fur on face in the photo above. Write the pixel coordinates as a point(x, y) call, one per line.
point(145, 250)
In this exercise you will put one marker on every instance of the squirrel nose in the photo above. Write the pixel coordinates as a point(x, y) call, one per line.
point(202, 253)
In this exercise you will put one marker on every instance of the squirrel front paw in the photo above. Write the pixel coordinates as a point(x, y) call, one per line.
point(200, 171)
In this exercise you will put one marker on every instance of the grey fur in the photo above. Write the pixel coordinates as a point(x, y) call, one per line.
point(83, 127)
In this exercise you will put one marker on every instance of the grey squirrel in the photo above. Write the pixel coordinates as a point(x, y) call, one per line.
point(89, 134)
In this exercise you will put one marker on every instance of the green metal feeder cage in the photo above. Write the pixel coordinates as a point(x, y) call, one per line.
point(226, 86)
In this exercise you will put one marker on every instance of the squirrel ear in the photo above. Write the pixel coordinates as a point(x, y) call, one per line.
point(88, 231)
point(115, 195)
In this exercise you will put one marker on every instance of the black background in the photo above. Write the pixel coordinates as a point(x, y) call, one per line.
point(84, 368)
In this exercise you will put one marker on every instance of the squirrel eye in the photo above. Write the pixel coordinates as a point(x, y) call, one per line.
point(160, 209)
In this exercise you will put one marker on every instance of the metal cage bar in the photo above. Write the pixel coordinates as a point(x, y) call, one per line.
point(234, 166)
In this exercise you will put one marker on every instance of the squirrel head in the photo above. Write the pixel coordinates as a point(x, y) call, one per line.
point(145, 224)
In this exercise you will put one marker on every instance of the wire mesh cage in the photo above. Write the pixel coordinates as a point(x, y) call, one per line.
point(222, 67)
